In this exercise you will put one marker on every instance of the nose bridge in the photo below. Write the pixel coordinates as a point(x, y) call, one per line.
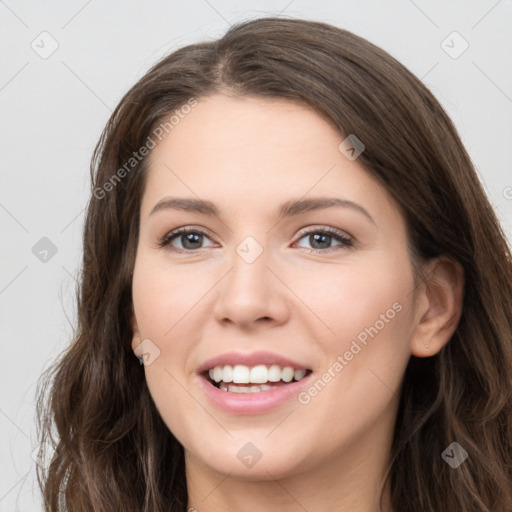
point(250, 290)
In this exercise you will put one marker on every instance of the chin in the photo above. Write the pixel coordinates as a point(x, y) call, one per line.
point(254, 460)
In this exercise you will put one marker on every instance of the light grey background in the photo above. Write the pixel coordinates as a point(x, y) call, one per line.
point(53, 109)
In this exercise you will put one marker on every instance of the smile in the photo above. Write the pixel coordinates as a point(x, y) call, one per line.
point(245, 379)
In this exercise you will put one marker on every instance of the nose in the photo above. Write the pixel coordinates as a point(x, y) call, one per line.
point(252, 294)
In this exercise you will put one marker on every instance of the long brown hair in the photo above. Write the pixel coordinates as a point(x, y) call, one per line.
point(112, 449)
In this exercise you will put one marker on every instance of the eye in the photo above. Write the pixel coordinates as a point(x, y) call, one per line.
point(190, 239)
point(321, 239)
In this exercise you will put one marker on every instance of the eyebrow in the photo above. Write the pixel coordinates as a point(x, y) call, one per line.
point(287, 209)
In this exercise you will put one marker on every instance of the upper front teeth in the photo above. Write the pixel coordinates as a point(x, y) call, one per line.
point(260, 374)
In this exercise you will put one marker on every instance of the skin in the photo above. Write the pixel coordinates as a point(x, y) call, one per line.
point(248, 156)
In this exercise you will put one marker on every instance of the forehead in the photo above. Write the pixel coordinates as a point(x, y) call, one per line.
point(242, 151)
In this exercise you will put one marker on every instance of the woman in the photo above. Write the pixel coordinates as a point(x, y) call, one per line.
point(287, 232)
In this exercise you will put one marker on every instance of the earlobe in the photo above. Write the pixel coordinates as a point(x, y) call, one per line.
point(440, 300)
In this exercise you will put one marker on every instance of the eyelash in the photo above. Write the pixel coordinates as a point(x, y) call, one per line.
point(346, 242)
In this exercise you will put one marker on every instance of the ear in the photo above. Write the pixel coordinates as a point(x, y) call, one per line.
point(439, 306)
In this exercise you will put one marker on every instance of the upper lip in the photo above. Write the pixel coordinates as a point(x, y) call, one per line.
point(250, 359)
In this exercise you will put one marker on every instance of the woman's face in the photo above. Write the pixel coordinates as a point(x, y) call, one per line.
point(296, 260)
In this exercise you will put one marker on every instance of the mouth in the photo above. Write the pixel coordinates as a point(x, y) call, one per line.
point(253, 379)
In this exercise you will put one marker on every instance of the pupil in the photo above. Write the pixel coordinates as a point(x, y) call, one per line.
point(191, 238)
point(315, 238)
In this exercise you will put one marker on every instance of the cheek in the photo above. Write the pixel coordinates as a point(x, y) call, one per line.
point(168, 305)
point(179, 410)
point(164, 295)
point(368, 309)
point(364, 316)
point(371, 293)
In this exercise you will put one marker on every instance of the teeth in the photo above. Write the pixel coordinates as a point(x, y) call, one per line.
point(227, 373)
point(248, 389)
point(299, 374)
point(287, 374)
point(274, 373)
point(240, 374)
point(260, 374)
point(217, 374)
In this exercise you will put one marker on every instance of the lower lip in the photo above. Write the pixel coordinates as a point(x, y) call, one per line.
point(252, 403)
